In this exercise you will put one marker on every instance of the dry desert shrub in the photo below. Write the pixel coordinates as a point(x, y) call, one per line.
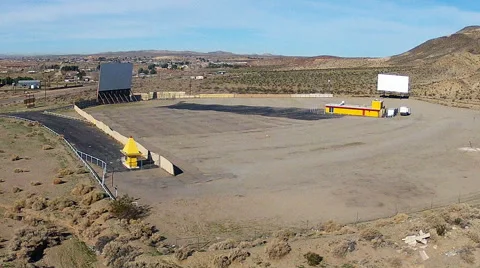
point(347, 230)
point(138, 229)
point(82, 189)
point(64, 172)
point(16, 189)
point(223, 245)
point(93, 231)
point(102, 241)
point(313, 259)
point(238, 255)
point(92, 197)
point(277, 249)
point(473, 235)
point(15, 158)
point(340, 249)
point(284, 234)
point(60, 203)
point(81, 170)
point(221, 261)
point(395, 262)
point(29, 242)
point(18, 205)
point(2, 180)
point(36, 203)
point(330, 226)
point(183, 253)
point(466, 254)
point(33, 221)
point(125, 208)
point(35, 183)
point(47, 147)
point(19, 170)
point(154, 264)
point(245, 244)
point(400, 217)
point(118, 254)
point(370, 234)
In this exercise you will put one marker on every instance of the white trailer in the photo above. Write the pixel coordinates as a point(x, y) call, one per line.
point(393, 85)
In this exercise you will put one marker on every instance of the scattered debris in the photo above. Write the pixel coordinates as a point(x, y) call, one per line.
point(413, 239)
point(424, 255)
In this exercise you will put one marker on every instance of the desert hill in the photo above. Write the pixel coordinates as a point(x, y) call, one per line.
point(466, 40)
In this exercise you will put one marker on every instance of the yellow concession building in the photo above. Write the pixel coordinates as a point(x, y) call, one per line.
point(375, 110)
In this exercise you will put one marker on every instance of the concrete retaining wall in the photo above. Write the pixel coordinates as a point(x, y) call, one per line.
point(159, 160)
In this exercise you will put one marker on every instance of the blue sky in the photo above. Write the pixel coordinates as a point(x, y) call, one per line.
point(373, 28)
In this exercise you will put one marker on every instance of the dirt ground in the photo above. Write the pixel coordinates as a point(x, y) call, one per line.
point(249, 166)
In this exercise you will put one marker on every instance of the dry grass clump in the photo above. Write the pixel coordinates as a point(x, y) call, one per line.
point(92, 197)
point(16, 189)
point(284, 234)
point(35, 183)
point(82, 189)
point(18, 205)
point(138, 229)
point(47, 147)
point(183, 253)
point(118, 254)
point(221, 261)
point(340, 249)
point(466, 254)
point(370, 234)
point(436, 222)
point(223, 245)
point(64, 172)
point(313, 259)
point(330, 226)
point(93, 231)
point(125, 207)
point(58, 181)
point(245, 244)
point(395, 262)
point(102, 241)
point(2, 151)
point(36, 203)
point(60, 203)
point(238, 255)
point(2, 180)
point(19, 170)
point(277, 249)
point(15, 158)
point(33, 221)
point(30, 242)
point(81, 170)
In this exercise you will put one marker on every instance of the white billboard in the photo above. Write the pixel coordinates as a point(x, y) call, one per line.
point(392, 83)
point(115, 76)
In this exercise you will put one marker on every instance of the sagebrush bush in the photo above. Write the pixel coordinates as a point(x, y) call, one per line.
point(125, 208)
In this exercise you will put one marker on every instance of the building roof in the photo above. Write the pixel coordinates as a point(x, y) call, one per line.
point(28, 81)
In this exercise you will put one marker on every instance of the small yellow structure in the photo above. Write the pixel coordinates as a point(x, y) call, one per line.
point(375, 110)
point(131, 153)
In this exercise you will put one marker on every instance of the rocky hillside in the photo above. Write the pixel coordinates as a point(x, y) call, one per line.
point(466, 40)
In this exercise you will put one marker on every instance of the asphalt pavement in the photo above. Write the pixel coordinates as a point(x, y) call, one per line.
point(83, 137)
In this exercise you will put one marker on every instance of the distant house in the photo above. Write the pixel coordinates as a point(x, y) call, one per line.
point(199, 77)
point(32, 84)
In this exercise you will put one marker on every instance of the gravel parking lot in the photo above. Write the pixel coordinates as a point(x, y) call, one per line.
point(281, 161)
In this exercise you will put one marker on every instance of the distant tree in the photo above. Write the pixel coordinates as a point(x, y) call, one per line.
point(68, 68)
point(164, 65)
point(153, 71)
point(141, 71)
point(174, 66)
point(81, 74)
point(152, 66)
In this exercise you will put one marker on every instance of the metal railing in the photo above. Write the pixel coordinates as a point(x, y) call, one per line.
point(85, 158)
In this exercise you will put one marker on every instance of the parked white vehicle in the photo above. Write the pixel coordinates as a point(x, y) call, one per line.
point(404, 111)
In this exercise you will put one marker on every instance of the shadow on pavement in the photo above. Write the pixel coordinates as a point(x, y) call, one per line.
point(290, 113)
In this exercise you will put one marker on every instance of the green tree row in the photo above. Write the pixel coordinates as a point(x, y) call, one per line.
point(8, 80)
